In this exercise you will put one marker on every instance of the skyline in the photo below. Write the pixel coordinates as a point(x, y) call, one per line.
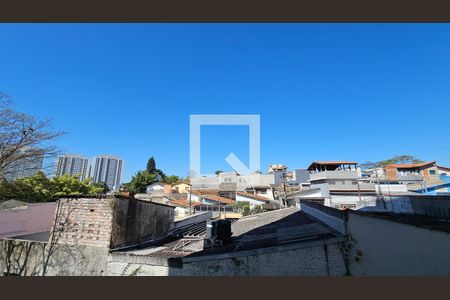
point(323, 91)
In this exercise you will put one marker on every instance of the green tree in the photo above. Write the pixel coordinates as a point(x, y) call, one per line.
point(244, 207)
point(39, 188)
point(171, 179)
point(218, 172)
point(151, 165)
point(141, 180)
point(102, 186)
point(399, 159)
point(159, 175)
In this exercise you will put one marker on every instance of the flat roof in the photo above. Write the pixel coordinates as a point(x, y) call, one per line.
point(331, 163)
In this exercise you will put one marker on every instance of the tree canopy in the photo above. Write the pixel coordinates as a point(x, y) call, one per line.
point(151, 165)
point(39, 188)
point(399, 159)
point(141, 180)
point(171, 179)
point(151, 174)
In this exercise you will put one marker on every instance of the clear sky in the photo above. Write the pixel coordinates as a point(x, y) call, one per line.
point(324, 91)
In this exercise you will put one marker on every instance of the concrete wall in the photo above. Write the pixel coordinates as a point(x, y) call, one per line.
point(317, 260)
point(135, 221)
point(335, 220)
point(433, 206)
point(392, 248)
point(27, 258)
point(312, 261)
point(339, 201)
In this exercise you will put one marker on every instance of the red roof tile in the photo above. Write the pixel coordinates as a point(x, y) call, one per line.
point(219, 199)
point(183, 203)
point(408, 166)
point(256, 197)
point(205, 192)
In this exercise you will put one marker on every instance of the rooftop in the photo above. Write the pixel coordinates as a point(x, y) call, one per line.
point(443, 168)
point(253, 196)
point(219, 199)
point(268, 229)
point(411, 166)
point(333, 164)
point(205, 192)
point(183, 203)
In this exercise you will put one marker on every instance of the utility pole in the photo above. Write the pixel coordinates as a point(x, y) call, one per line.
point(379, 188)
point(190, 199)
point(284, 187)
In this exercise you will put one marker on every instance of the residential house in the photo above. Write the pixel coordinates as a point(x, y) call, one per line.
point(338, 184)
point(180, 187)
point(413, 174)
point(252, 199)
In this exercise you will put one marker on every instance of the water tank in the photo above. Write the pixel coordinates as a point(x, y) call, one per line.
point(218, 232)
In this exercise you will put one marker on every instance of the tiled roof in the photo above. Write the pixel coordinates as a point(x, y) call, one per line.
point(205, 192)
point(180, 202)
point(443, 168)
point(219, 199)
point(268, 229)
point(252, 196)
point(408, 166)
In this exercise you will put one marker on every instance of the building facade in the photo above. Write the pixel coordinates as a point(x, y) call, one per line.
point(75, 165)
point(107, 169)
point(28, 163)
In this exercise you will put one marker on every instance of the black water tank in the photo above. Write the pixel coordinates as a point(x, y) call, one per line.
point(218, 229)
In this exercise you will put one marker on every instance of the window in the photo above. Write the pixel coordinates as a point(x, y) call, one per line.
point(432, 172)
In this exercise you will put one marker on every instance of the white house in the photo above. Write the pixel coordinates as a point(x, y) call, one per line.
point(254, 200)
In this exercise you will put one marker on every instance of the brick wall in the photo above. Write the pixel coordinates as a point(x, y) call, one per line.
point(110, 222)
point(84, 221)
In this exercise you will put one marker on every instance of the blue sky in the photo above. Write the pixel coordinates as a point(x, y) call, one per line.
point(324, 91)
